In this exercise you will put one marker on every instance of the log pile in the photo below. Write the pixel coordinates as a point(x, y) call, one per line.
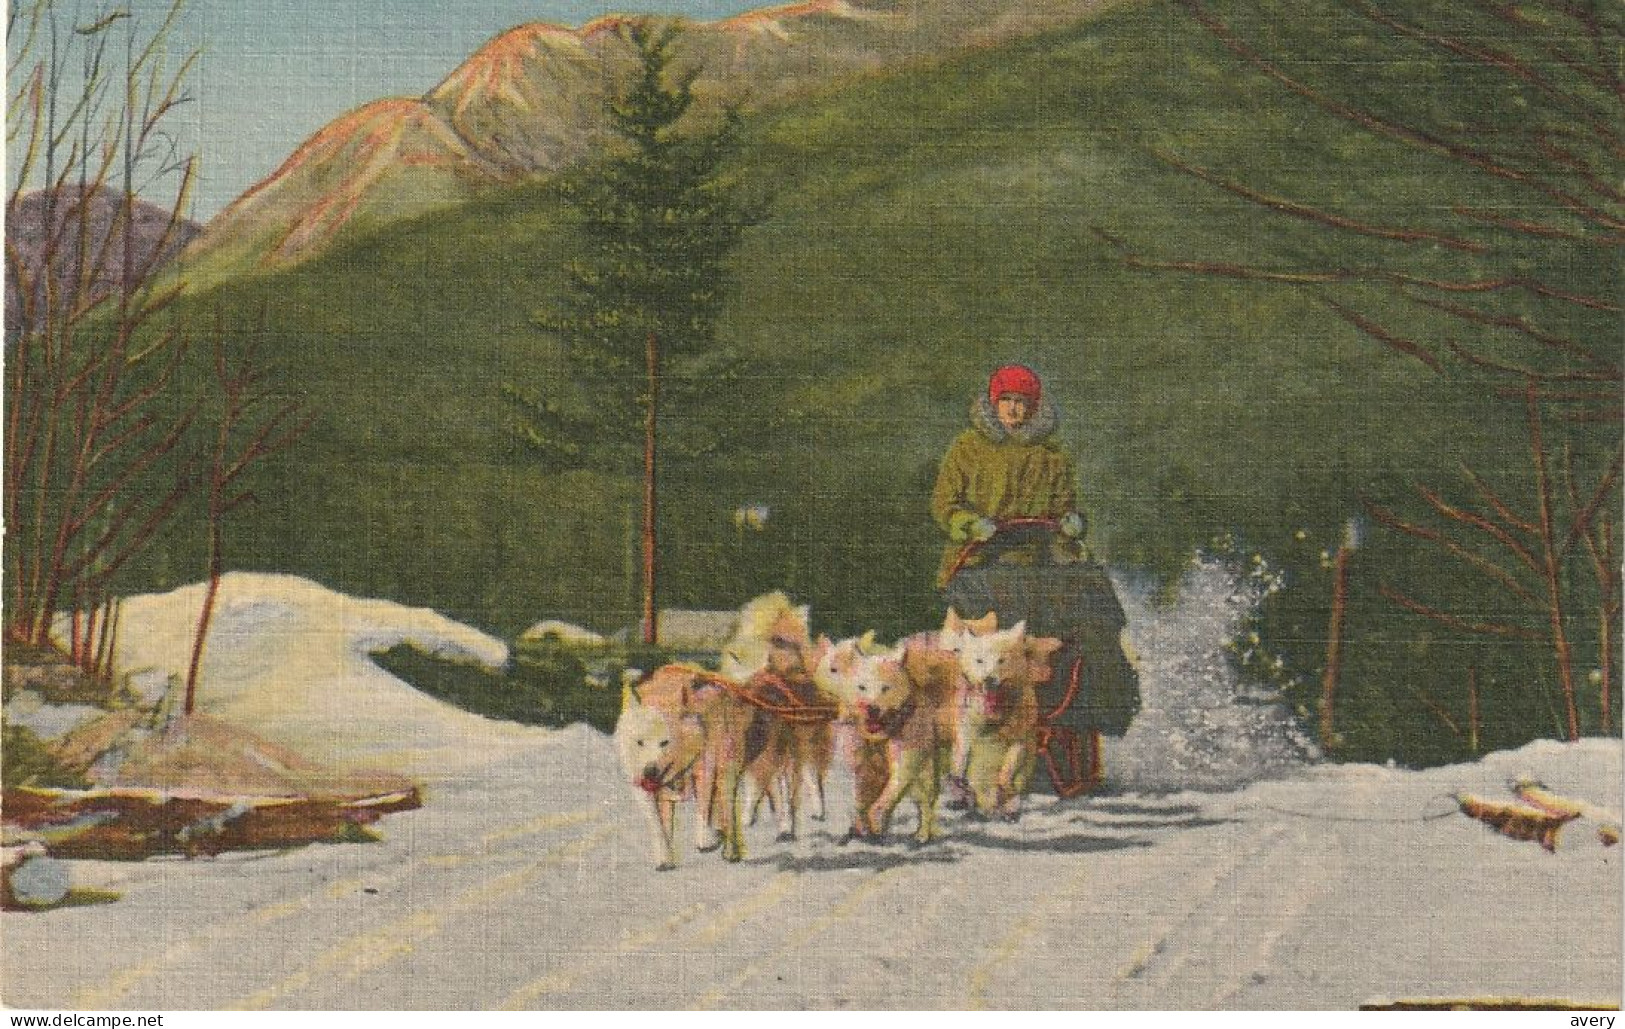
point(196, 786)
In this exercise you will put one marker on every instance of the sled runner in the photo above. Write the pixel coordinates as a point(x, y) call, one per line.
point(1022, 573)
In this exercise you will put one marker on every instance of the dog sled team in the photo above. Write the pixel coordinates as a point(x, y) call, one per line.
point(968, 707)
point(953, 709)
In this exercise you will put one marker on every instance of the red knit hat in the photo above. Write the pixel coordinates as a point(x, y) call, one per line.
point(1013, 378)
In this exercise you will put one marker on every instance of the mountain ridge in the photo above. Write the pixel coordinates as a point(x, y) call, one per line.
point(35, 220)
point(531, 101)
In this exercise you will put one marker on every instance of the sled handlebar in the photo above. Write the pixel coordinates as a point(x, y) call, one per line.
point(969, 550)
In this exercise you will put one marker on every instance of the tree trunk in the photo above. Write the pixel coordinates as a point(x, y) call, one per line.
point(1334, 647)
point(1551, 562)
point(205, 615)
point(109, 639)
point(1472, 708)
point(217, 515)
point(651, 628)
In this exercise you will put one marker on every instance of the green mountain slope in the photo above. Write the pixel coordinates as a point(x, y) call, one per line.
point(531, 101)
point(925, 227)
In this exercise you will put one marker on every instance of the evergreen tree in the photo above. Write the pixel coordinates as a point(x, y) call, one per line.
point(658, 218)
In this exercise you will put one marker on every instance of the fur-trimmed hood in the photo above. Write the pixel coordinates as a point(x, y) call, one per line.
point(1041, 426)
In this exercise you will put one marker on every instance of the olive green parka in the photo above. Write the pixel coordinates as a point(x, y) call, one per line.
point(992, 472)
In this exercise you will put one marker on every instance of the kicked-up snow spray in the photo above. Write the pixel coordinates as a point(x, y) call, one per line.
point(1201, 725)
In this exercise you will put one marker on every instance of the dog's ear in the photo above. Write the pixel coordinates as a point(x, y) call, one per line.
point(1018, 631)
point(1043, 648)
point(839, 656)
point(699, 687)
point(829, 669)
point(984, 625)
point(952, 625)
point(630, 697)
point(867, 645)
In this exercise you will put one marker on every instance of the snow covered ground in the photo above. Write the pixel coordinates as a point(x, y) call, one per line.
point(288, 659)
point(527, 879)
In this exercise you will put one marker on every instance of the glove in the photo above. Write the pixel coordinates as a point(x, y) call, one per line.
point(968, 526)
point(1072, 525)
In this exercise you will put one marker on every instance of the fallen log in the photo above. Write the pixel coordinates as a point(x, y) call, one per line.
point(129, 823)
point(1537, 794)
point(1518, 821)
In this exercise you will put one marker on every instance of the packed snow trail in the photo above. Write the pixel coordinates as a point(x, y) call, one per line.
point(527, 881)
point(532, 886)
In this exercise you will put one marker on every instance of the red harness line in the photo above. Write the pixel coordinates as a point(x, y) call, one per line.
point(1051, 737)
point(792, 708)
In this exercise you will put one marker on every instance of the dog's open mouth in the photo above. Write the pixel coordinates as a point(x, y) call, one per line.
point(888, 723)
point(874, 721)
point(654, 780)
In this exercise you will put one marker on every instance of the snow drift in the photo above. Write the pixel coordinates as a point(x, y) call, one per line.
point(288, 660)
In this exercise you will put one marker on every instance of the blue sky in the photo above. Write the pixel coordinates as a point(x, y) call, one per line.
point(275, 71)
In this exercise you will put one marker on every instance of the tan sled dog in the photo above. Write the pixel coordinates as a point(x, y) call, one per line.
point(682, 732)
point(894, 715)
point(995, 709)
point(792, 740)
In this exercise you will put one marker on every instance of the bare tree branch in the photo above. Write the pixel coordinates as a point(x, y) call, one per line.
point(1523, 326)
point(1490, 568)
point(1336, 276)
point(1493, 58)
point(1408, 347)
point(1542, 229)
point(1465, 625)
point(1494, 500)
point(1409, 134)
point(1524, 371)
point(1481, 523)
point(1308, 212)
point(1582, 520)
point(1599, 72)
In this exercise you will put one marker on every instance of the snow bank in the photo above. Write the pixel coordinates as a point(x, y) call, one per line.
point(288, 660)
point(47, 721)
point(564, 632)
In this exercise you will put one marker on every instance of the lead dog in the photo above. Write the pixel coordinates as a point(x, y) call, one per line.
point(683, 733)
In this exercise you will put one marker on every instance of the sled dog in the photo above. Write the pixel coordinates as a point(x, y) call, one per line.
point(897, 721)
point(792, 740)
point(995, 712)
point(682, 732)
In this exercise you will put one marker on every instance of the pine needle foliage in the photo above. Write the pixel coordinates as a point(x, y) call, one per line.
point(657, 216)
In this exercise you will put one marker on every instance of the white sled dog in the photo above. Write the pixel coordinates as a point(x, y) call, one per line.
point(995, 712)
point(791, 745)
point(896, 700)
point(682, 733)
